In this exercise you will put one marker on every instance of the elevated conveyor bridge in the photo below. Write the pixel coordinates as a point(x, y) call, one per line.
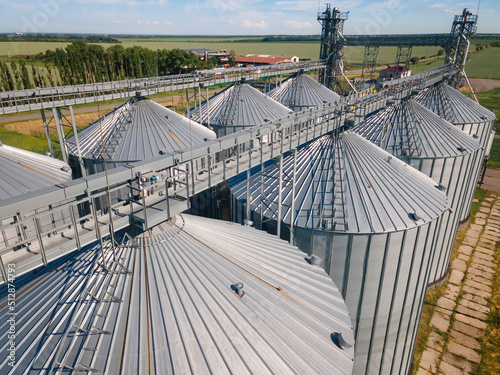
point(42, 226)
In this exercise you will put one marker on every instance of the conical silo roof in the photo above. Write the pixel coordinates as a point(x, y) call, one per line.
point(168, 303)
point(138, 130)
point(411, 130)
point(239, 105)
point(301, 91)
point(454, 106)
point(345, 183)
point(23, 171)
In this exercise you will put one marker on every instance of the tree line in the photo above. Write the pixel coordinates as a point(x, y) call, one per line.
point(80, 63)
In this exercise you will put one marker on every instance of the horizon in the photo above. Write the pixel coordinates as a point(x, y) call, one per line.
point(254, 18)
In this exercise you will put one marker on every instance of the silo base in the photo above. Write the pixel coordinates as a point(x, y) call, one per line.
point(440, 281)
point(464, 222)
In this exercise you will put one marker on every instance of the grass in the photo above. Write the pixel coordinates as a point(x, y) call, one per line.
point(484, 64)
point(494, 161)
point(490, 358)
point(433, 295)
point(24, 141)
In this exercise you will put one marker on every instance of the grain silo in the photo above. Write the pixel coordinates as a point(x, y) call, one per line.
point(422, 139)
point(300, 92)
point(372, 219)
point(465, 114)
point(138, 130)
point(237, 108)
point(23, 172)
point(192, 296)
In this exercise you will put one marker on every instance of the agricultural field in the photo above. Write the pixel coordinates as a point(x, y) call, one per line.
point(242, 46)
point(484, 64)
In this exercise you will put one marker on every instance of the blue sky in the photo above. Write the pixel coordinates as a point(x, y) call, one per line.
point(235, 17)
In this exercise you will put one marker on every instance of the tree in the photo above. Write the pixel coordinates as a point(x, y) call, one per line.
point(414, 60)
point(440, 52)
point(232, 58)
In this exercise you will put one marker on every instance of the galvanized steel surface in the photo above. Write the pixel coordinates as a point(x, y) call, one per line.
point(301, 91)
point(346, 183)
point(23, 171)
point(443, 152)
point(411, 130)
point(171, 307)
point(237, 107)
point(465, 114)
point(454, 106)
point(139, 130)
point(372, 219)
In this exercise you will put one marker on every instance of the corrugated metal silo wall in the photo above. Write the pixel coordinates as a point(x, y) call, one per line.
point(383, 278)
point(482, 131)
point(458, 176)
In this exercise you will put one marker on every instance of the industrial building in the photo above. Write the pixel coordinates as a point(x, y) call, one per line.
point(422, 139)
point(134, 285)
point(300, 92)
point(238, 107)
point(22, 171)
point(137, 130)
point(189, 297)
point(466, 115)
point(371, 218)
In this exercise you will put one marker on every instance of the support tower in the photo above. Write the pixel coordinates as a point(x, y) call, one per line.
point(332, 22)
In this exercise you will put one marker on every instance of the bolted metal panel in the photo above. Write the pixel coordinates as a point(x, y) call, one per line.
point(301, 91)
point(435, 147)
point(22, 171)
point(191, 296)
point(238, 107)
point(357, 209)
point(138, 130)
point(465, 114)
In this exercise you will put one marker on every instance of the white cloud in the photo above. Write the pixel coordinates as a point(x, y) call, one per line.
point(120, 22)
point(146, 22)
point(256, 25)
point(298, 25)
point(167, 23)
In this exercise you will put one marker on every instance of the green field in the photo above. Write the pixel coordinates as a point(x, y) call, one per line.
point(242, 46)
point(484, 64)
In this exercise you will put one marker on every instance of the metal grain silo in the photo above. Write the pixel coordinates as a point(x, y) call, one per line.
point(23, 172)
point(192, 296)
point(300, 92)
point(422, 139)
point(372, 219)
point(237, 108)
point(138, 130)
point(465, 114)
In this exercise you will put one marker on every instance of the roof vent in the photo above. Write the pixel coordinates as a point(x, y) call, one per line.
point(1, 144)
point(475, 136)
point(46, 154)
point(66, 168)
point(414, 216)
point(238, 286)
point(163, 152)
point(461, 149)
point(389, 159)
point(314, 260)
point(345, 339)
point(441, 187)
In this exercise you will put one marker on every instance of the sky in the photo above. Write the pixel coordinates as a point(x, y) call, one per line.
point(236, 17)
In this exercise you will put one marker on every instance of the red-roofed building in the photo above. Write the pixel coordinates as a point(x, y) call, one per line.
point(393, 72)
point(259, 61)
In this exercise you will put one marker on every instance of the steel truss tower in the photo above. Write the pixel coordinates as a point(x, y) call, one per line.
point(332, 22)
point(464, 26)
